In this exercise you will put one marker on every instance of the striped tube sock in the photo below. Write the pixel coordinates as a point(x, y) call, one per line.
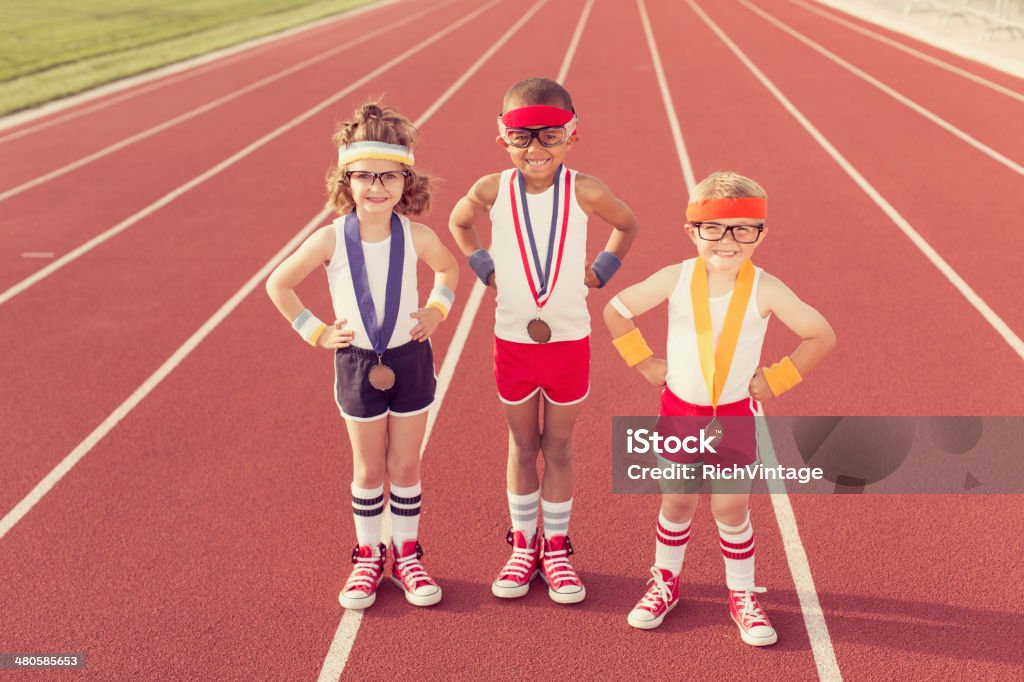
point(738, 550)
point(670, 546)
point(523, 509)
point(405, 513)
point(556, 517)
point(368, 510)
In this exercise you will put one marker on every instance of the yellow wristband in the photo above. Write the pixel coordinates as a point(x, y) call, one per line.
point(781, 376)
point(315, 336)
point(440, 308)
point(632, 347)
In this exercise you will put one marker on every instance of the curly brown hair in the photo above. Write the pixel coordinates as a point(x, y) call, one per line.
point(376, 123)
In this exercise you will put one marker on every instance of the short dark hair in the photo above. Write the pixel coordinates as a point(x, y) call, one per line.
point(537, 91)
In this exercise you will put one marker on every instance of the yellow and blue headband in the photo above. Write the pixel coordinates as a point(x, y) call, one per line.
point(357, 151)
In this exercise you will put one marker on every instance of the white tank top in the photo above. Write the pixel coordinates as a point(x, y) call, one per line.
point(377, 255)
point(684, 374)
point(566, 309)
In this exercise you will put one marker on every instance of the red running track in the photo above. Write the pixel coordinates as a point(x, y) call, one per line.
point(206, 535)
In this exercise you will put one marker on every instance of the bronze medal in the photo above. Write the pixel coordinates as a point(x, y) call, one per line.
point(382, 377)
point(715, 431)
point(539, 330)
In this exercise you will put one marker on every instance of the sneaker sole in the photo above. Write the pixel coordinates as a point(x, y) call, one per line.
point(417, 599)
point(512, 592)
point(651, 624)
point(563, 598)
point(754, 641)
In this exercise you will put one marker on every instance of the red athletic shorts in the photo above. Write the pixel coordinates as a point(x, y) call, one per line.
point(561, 370)
point(739, 441)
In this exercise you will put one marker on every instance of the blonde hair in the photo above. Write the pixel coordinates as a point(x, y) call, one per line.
point(372, 122)
point(726, 185)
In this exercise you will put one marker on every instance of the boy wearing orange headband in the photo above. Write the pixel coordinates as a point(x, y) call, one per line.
point(538, 263)
point(719, 305)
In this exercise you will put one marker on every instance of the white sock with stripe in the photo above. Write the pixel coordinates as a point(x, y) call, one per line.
point(368, 511)
point(737, 544)
point(556, 517)
point(405, 513)
point(670, 546)
point(523, 510)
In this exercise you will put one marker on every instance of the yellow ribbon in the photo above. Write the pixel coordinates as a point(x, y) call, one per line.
point(715, 362)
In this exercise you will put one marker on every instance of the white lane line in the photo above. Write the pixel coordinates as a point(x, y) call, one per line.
point(799, 566)
point(984, 82)
point(997, 323)
point(348, 628)
point(896, 95)
point(563, 70)
point(211, 105)
point(796, 557)
point(82, 449)
point(177, 72)
point(666, 97)
point(88, 246)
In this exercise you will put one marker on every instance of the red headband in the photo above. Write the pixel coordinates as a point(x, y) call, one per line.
point(536, 115)
point(747, 207)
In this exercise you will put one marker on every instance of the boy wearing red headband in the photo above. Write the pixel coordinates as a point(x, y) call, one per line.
point(719, 305)
point(538, 263)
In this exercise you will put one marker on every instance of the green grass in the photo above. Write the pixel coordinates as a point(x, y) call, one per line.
point(55, 48)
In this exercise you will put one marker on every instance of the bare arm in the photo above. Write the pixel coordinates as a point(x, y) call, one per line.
point(638, 299)
point(431, 251)
point(817, 336)
point(314, 252)
point(595, 198)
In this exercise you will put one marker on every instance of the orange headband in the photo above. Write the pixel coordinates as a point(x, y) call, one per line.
point(747, 207)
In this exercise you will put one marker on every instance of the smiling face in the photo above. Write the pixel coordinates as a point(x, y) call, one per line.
point(536, 162)
point(727, 254)
point(376, 195)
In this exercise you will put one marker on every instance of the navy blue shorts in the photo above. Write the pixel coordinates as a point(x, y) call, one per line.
point(413, 392)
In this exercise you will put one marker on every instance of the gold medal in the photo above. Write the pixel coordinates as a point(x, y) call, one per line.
point(382, 377)
point(715, 432)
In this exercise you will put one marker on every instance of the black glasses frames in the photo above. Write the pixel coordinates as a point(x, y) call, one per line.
point(715, 232)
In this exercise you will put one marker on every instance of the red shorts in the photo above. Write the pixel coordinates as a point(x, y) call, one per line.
point(739, 442)
point(561, 370)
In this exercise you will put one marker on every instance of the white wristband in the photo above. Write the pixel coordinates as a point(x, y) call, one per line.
point(309, 326)
point(621, 308)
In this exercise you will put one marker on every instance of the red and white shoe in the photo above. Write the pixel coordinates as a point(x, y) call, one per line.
point(408, 573)
point(564, 586)
point(520, 569)
point(750, 618)
point(662, 596)
point(360, 589)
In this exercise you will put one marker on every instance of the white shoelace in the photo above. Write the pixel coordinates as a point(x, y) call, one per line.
point(558, 568)
point(411, 570)
point(657, 593)
point(520, 562)
point(752, 612)
point(364, 575)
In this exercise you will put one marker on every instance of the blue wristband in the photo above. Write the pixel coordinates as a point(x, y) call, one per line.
point(482, 264)
point(605, 265)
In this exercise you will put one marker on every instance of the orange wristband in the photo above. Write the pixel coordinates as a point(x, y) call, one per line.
point(781, 376)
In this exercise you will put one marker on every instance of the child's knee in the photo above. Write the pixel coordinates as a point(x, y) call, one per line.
point(557, 449)
point(730, 510)
point(524, 446)
point(368, 475)
point(678, 508)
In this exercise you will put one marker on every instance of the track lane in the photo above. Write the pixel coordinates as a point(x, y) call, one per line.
point(173, 161)
point(898, 152)
point(62, 383)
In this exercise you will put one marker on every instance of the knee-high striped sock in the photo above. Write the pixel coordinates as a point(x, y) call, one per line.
point(556, 517)
point(523, 509)
point(368, 510)
point(405, 513)
point(670, 547)
point(738, 550)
